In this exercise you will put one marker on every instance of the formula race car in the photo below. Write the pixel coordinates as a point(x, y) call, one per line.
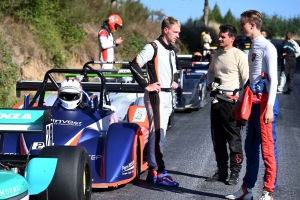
point(115, 151)
point(191, 93)
point(122, 90)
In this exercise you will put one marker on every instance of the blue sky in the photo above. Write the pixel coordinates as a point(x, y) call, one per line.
point(183, 9)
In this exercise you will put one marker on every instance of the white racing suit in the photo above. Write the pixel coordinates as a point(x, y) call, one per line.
point(158, 105)
point(107, 46)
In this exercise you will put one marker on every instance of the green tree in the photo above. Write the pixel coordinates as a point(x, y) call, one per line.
point(215, 15)
point(230, 19)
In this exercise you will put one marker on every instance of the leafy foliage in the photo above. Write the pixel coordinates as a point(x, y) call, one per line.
point(133, 45)
point(230, 19)
point(8, 76)
point(276, 26)
point(215, 15)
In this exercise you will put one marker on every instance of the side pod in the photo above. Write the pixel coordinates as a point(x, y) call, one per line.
point(118, 156)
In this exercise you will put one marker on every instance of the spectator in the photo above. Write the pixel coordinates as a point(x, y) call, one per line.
point(158, 94)
point(206, 43)
point(107, 44)
point(264, 33)
point(288, 64)
point(230, 66)
point(261, 109)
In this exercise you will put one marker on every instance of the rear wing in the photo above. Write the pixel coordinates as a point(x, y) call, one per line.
point(33, 121)
point(20, 120)
point(49, 84)
point(87, 86)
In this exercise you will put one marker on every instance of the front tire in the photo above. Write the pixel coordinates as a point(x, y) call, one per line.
point(72, 178)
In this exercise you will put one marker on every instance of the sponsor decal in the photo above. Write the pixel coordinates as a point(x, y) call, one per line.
point(65, 122)
point(38, 145)
point(128, 169)
point(140, 115)
point(95, 157)
point(9, 192)
point(200, 73)
point(238, 159)
point(14, 116)
point(253, 56)
point(21, 116)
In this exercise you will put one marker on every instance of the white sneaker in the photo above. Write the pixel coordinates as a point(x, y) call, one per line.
point(243, 194)
point(266, 196)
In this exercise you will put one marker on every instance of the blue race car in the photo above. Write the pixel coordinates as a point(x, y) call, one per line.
point(191, 93)
point(116, 151)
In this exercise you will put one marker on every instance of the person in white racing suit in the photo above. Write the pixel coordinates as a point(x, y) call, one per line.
point(107, 44)
point(158, 94)
point(260, 102)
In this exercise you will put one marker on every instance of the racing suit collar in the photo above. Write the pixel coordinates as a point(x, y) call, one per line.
point(105, 26)
point(169, 47)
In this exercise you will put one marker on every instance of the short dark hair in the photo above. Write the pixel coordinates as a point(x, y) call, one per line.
point(288, 35)
point(231, 30)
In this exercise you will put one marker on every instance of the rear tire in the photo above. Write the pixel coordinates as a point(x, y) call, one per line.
point(72, 178)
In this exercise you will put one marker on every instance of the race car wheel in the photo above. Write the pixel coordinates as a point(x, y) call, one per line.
point(138, 163)
point(72, 178)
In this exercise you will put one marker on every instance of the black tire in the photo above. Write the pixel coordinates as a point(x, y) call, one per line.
point(72, 178)
point(138, 163)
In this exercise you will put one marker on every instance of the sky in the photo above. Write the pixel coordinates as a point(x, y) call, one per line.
point(184, 9)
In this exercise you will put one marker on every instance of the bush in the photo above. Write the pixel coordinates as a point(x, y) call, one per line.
point(8, 76)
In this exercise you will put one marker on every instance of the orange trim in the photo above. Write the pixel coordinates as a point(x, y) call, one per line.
point(76, 139)
point(21, 104)
point(104, 55)
point(115, 184)
point(131, 112)
point(103, 33)
point(156, 67)
point(18, 105)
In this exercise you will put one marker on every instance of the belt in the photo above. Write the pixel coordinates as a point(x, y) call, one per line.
point(223, 92)
point(166, 89)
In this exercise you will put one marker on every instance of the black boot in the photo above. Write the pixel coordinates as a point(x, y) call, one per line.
point(289, 91)
point(233, 179)
point(220, 175)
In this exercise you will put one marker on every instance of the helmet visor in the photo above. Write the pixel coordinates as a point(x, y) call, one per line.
point(69, 96)
point(118, 26)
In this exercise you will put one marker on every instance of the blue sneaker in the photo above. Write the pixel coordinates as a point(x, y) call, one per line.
point(152, 176)
point(164, 179)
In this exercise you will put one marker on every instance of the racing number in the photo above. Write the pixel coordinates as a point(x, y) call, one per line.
point(38, 145)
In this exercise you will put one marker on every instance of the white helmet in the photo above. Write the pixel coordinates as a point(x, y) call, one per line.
point(70, 93)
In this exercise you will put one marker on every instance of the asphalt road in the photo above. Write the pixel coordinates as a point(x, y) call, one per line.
point(190, 159)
